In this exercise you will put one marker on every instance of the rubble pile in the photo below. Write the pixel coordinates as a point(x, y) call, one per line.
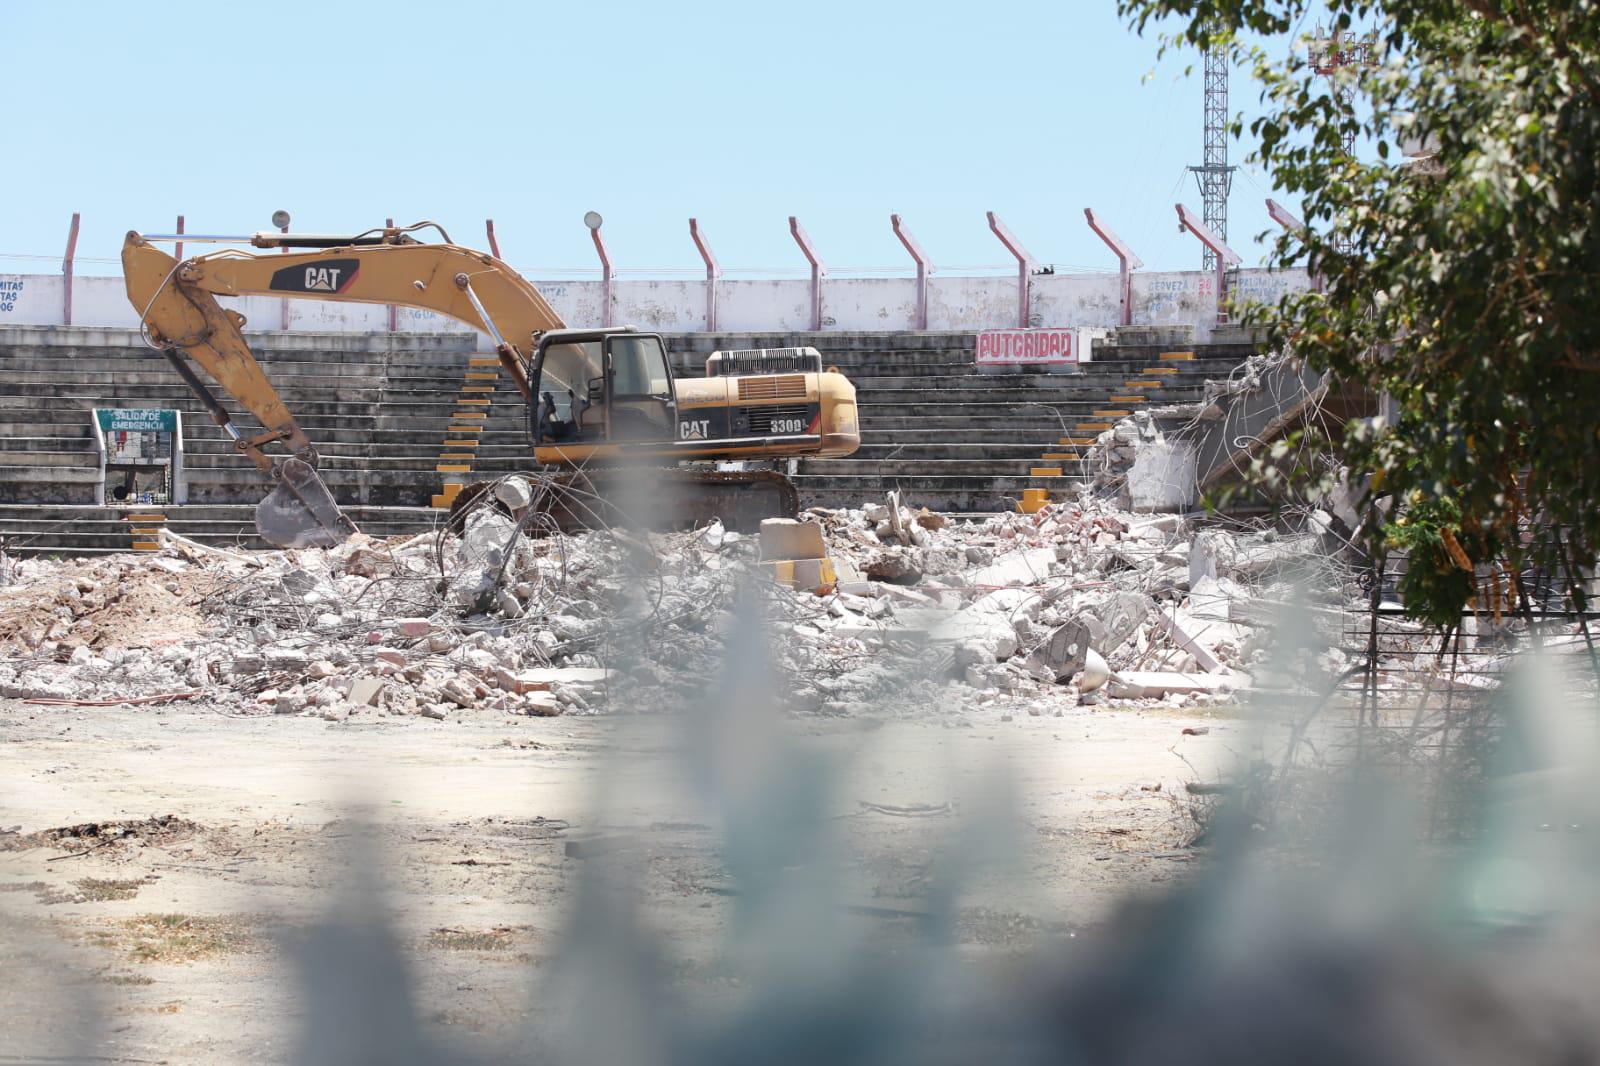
point(1081, 598)
point(922, 612)
point(437, 625)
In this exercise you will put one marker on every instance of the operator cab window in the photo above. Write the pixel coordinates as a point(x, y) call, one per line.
point(641, 387)
point(641, 368)
point(572, 393)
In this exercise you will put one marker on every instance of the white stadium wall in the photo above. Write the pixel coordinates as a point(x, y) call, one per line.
point(963, 304)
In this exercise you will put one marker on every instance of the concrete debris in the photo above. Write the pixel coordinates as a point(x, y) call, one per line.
point(515, 493)
point(786, 538)
point(923, 613)
point(1138, 684)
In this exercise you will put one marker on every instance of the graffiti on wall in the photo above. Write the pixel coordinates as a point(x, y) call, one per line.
point(1164, 298)
point(9, 291)
point(1266, 286)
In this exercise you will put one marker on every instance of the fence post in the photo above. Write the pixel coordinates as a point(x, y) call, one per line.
point(1283, 217)
point(594, 222)
point(394, 312)
point(283, 320)
point(924, 268)
point(177, 251)
point(66, 271)
point(713, 274)
point(1026, 264)
point(1127, 262)
point(1226, 257)
point(818, 271)
point(494, 245)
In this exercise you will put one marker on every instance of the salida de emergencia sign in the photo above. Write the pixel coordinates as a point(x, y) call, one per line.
point(136, 419)
point(1000, 347)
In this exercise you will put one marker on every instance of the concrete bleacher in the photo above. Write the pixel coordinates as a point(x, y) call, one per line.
point(953, 439)
point(379, 407)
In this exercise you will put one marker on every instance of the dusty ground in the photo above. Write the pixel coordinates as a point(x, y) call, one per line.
point(171, 935)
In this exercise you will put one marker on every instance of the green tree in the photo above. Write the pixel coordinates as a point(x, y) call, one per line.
point(1469, 287)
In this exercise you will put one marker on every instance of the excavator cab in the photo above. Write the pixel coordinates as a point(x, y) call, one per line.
point(602, 387)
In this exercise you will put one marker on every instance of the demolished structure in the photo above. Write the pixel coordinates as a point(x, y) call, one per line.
point(494, 614)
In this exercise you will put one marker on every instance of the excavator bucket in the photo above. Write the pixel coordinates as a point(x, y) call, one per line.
point(300, 512)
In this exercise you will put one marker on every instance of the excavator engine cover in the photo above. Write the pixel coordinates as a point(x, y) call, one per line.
point(300, 512)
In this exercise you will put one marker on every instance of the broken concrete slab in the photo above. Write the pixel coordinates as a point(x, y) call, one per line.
point(1121, 614)
point(1065, 651)
point(789, 538)
point(1202, 656)
point(566, 675)
point(1028, 567)
point(541, 705)
point(1162, 477)
point(1144, 684)
point(897, 566)
point(365, 691)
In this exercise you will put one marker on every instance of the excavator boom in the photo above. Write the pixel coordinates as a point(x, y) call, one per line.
point(180, 314)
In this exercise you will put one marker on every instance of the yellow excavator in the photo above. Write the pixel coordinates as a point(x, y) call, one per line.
point(607, 416)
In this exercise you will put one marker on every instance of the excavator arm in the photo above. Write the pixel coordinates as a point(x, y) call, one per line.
point(179, 313)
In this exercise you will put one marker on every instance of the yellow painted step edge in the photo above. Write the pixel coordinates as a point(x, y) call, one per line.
point(452, 468)
point(457, 455)
point(1044, 471)
point(1112, 413)
point(1128, 399)
point(483, 375)
point(1185, 356)
point(484, 360)
point(146, 546)
point(1092, 427)
point(459, 444)
point(1059, 456)
point(1033, 501)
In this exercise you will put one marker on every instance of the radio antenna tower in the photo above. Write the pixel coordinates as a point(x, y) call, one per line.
point(1215, 176)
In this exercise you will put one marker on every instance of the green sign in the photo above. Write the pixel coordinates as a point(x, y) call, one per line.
point(136, 419)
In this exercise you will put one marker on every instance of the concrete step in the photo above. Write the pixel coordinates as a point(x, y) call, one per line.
point(958, 494)
point(170, 395)
point(1086, 399)
point(872, 414)
point(1029, 448)
point(1043, 435)
point(35, 529)
point(70, 406)
point(902, 467)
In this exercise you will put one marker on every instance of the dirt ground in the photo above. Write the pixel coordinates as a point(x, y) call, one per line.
point(213, 839)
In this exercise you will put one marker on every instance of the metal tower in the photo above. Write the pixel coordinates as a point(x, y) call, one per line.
point(1215, 176)
point(1331, 53)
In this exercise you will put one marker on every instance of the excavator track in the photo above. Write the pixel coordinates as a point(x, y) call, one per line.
point(656, 498)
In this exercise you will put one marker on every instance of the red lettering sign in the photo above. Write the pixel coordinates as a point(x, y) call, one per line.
point(1026, 346)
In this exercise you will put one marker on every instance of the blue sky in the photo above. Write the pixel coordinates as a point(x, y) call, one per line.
point(740, 114)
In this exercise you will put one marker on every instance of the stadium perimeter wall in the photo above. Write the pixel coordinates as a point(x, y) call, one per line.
point(962, 304)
